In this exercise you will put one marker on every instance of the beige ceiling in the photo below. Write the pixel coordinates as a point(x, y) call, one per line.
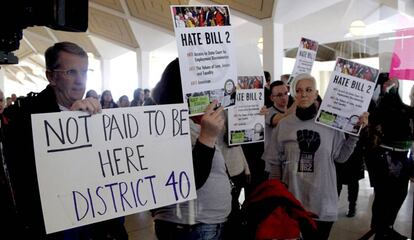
point(109, 20)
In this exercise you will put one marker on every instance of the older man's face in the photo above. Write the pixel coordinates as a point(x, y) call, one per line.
point(69, 79)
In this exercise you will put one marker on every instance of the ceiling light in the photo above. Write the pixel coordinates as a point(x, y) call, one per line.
point(20, 76)
point(37, 71)
point(260, 43)
point(357, 28)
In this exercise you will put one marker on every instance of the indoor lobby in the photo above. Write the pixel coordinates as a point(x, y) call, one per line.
point(130, 42)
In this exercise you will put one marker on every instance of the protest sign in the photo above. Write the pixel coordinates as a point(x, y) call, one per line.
point(96, 167)
point(305, 57)
point(348, 95)
point(402, 61)
point(245, 124)
point(206, 55)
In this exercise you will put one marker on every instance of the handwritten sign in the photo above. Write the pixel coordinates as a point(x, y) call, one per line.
point(206, 54)
point(96, 167)
point(349, 92)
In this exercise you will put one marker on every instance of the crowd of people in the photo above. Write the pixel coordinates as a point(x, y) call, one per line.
point(306, 157)
point(201, 16)
point(141, 97)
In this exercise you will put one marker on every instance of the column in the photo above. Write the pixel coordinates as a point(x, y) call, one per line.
point(143, 63)
point(273, 52)
point(106, 74)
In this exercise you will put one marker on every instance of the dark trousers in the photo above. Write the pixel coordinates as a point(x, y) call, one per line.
point(233, 224)
point(322, 232)
point(239, 182)
point(253, 153)
point(353, 189)
point(391, 174)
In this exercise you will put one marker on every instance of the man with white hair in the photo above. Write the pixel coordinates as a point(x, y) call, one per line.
point(66, 71)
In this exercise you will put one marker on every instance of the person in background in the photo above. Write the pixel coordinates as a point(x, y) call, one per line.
point(107, 101)
point(353, 170)
point(147, 98)
point(92, 94)
point(279, 110)
point(9, 101)
point(2, 102)
point(123, 101)
point(285, 78)
point(239, 173)
point(7, 207)
point(391, 168)
point(204, 217)
point(147, 94)
point(267, 93)
point(13, 97)
point(349, 173)
point(67, 66)
point(138, 98)
point(307, 152)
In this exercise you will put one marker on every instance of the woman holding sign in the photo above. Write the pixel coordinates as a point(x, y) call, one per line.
point(204, 217)
point(307, 152)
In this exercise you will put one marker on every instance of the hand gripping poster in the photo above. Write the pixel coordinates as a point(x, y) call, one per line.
point(348, 95)
point(206, 56)
point(305, 57)
point(245, 124)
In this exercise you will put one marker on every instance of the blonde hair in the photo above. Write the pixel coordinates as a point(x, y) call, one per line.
point(297, 78)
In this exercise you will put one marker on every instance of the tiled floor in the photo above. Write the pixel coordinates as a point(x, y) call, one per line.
point(353, 228)
point(140, 225)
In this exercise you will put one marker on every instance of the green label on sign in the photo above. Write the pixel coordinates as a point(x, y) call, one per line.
point(237, 137)
point(327, 118)
point(198, 104)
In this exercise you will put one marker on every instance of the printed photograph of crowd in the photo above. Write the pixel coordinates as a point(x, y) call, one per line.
point(309, 44)
point(249, 82)
point(356, 70)
point(188, 17)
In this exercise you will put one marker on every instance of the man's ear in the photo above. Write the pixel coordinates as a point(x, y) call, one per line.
point(50, 77)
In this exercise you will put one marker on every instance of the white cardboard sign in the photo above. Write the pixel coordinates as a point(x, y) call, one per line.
point(305, 57)
point(205, 44)
point(347, 97)
point(96, 167)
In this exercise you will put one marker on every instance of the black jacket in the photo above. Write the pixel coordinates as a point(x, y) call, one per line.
point(19, 156)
